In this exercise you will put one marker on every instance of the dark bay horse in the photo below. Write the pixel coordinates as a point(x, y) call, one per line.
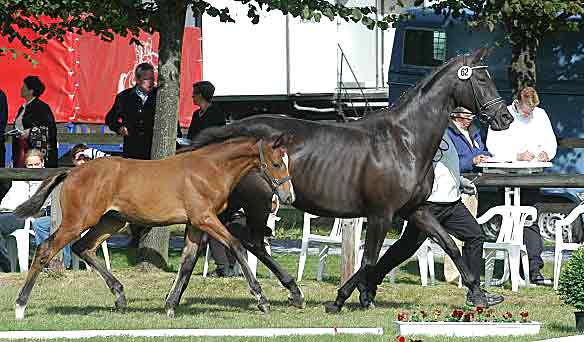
point(101, 196)
point(376, 168)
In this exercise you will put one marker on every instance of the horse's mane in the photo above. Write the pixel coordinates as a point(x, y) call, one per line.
point(215, 135)
point(426, 83)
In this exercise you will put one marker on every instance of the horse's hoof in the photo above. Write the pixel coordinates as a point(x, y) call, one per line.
point(332, 308)
point(297, 302)
point(368, 306)
point(19, 312)
point(366, 301)
point(170, 313)
point(264, 307)
point(121, 303)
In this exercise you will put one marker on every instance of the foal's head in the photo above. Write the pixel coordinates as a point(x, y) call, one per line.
point(274, 166)
point(476, 90)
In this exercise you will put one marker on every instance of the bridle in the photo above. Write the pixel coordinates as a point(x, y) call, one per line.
point(483, 114)
point(275, 183)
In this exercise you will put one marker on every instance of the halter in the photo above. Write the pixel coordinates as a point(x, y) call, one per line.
point(275, 183)
point(465, 73)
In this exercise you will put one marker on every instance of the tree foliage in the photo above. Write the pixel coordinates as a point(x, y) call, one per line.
point(526, 23)
point(127, 17)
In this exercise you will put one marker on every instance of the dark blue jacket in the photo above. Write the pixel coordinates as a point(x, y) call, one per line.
point(466, 151)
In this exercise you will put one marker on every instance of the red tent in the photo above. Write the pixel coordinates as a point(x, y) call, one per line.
point(83, 74)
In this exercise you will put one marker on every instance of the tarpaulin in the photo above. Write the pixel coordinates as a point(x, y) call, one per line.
point(83, 73)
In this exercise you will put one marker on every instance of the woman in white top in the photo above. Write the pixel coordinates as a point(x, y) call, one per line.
point(530, 136)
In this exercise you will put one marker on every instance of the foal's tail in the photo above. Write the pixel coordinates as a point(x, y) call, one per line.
point(34, 204)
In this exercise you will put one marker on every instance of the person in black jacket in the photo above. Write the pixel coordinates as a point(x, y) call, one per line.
point(35, 124)
point(209, 115)
point(3, 121)
point(132, 115)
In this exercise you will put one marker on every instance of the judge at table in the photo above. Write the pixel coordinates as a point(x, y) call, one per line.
point(530, 137)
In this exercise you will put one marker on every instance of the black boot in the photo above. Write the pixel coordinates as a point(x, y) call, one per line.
point(482, 298)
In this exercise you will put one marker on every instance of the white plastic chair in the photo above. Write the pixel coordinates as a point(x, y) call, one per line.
point(334, 238)
point(20, 249)
point(510, 243)
point(562, 246)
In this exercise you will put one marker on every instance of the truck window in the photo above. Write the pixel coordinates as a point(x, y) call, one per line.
point(425, 48)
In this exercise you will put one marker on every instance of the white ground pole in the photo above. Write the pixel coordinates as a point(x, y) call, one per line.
point(578, 338)
point(76, 334)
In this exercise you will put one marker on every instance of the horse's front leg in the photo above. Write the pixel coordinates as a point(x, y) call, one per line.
point(380, 226)
point(252, 238)
point(212, 226)
point(405, 247)
point(376, 230)
point(193, 242)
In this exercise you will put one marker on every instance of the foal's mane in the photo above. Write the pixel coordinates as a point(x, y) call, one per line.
point(216, 135)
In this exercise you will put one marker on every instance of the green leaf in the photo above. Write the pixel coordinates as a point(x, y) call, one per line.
point(306, 13)
point(491, 26)
point(384, 25)
point(329, 13)
point(418, 3)
point(317, 17)
point(507, 9)
point(356, 14)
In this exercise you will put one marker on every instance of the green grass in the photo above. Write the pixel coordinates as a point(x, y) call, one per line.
point(80, 300)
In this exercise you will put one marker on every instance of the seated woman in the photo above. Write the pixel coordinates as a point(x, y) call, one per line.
point(19, 192)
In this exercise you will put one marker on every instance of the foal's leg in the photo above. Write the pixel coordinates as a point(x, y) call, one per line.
point(43, 255)
point(85, 249)
point(376, 231)
point(190, 253)
point(211, 225)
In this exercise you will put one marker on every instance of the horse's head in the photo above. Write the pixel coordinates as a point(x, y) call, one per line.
point(475, 89)
point(274, 166)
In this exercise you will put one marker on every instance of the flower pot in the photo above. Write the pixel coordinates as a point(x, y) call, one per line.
point(579, 320)
point(468, 329)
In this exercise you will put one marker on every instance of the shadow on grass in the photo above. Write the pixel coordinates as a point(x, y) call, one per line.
point(92, 309)
point(561, 327)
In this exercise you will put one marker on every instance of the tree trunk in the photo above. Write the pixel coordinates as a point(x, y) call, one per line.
point(153, 246)
point(522, 72)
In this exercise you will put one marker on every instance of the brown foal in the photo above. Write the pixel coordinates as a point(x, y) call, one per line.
point(103, 195)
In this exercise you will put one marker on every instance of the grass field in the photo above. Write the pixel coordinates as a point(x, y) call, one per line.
point(80, 300)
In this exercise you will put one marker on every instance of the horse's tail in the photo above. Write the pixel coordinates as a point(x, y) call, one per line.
point(34, 204)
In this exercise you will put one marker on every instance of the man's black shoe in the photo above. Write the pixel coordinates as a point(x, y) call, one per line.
point(483, 298)
point(537, 278)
